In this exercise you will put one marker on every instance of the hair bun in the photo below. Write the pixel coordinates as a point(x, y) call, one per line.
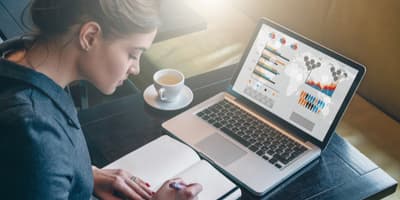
point(53, 16)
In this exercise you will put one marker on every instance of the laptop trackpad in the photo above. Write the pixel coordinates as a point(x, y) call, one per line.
point(220, 149)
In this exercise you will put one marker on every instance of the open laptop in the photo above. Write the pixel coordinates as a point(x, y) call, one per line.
point(279, 112)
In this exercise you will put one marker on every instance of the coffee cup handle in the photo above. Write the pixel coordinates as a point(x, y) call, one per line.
point(161, 93)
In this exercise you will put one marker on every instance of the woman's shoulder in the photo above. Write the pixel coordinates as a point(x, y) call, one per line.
point(19, 99)
point(17, 112)
point(18, 107)
point(21, 121)
point(16, 101)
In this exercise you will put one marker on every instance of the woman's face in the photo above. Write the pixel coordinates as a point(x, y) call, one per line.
point(109, 62)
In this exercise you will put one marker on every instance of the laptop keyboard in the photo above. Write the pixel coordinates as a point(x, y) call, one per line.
point(259, 137)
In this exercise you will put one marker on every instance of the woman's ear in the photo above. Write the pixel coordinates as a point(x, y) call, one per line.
point(89, 34)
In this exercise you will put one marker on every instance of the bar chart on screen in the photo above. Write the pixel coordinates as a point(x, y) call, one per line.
point(310, 102)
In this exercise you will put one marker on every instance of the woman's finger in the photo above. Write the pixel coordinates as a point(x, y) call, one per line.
point(137, 180)
point(128, 176)
point(121, 187)
point(145, 186)
point(139, 189)
point(191, 191)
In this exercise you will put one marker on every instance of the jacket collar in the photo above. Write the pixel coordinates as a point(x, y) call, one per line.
point(58, 95)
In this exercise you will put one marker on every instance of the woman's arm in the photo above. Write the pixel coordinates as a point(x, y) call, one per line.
point(118, 184)
point(35, 163)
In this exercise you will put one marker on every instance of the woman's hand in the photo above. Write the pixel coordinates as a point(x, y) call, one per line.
point(118, 184)
point(166, 192)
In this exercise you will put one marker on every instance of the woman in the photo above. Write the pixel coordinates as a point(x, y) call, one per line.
point(44, 153)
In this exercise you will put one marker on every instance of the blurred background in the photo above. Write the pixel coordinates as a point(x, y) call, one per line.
point(364, 30)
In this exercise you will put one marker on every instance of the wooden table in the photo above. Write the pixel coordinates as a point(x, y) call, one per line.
point(118, 127)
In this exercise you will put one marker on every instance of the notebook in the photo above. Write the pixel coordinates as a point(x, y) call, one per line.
point(165, 158)
point(279, 112)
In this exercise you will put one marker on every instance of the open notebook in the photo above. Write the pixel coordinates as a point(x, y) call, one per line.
point(165, 158)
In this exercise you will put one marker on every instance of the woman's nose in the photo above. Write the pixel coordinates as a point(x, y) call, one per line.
point(134, 70)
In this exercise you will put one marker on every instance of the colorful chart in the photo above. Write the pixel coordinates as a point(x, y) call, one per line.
point(272, 58)
point(311, 102)
point(294, 46)
point(265, 74)
point(267, 67)
point(327, 89)
point(320, 78)
point(275, 52)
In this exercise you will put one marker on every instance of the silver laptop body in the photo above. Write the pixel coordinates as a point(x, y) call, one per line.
point(268, 87)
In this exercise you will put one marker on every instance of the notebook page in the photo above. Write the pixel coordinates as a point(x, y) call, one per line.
point(215, 184)
point(157, 161)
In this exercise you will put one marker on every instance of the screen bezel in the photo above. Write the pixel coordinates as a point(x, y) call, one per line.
point(280, 121)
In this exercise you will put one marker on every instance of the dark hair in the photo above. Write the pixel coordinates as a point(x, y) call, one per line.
point(52, 18)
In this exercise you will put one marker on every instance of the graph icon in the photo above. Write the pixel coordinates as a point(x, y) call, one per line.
point(283, 41)
point(294, 46)
point(327, 89)
point(268, 65)
point(323, 78)
point(311, 102)
point(272, 35)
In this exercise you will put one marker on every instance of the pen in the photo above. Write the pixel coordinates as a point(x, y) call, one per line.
point(177, 186)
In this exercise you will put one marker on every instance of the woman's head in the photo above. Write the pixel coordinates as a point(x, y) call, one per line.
point(116, 17)
point(109, 35)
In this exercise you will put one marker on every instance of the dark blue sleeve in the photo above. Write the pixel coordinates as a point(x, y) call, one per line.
point(38, 159)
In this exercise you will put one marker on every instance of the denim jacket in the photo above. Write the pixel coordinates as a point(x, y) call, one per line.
point(43, 150)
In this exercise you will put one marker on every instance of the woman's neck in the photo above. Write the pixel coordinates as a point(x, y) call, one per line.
point(56, 61)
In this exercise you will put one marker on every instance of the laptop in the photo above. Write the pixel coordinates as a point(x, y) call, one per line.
point(278, 113)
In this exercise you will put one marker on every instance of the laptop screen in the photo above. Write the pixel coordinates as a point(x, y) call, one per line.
point(294, 81)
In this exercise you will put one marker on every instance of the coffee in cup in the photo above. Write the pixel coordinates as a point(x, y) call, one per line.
point(168, 84)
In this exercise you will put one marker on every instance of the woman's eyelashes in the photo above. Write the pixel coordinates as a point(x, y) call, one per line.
point(132, 57)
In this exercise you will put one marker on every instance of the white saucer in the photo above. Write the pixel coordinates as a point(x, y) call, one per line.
point(151, 97)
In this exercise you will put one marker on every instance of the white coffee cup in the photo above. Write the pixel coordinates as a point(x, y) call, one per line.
point(168, 83)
